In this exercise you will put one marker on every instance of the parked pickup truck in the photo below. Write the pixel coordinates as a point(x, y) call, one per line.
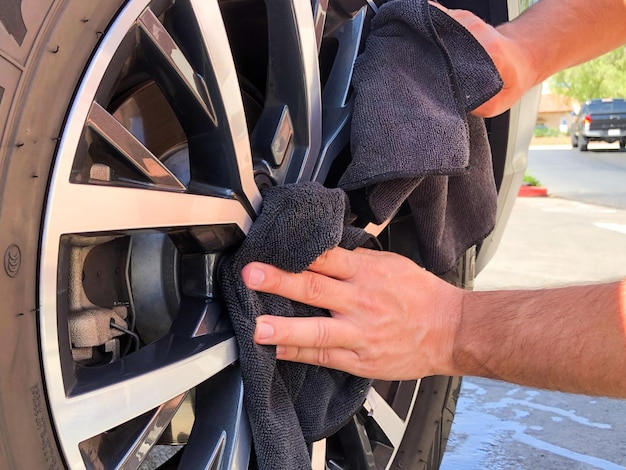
point(600, 120)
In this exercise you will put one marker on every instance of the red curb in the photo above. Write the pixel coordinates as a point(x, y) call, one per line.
point(532, 191)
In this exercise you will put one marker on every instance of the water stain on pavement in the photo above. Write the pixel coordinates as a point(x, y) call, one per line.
point(500, 427)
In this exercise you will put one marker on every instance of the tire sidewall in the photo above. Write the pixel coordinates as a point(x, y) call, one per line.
point(42, 62)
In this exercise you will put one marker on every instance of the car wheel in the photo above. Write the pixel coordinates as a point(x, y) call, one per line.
point(574, 139)
point(135, 137)
point(583, 143)
point(622, 144)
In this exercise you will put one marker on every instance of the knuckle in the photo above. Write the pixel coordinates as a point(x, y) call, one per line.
point(323, 357)
point(326, 260)
point(370, 338)
point(369, 264)
point(364, 301)
point(369, 361)
point(354, 259)
point(379, 265)
point(323, 334)
point(313, 288)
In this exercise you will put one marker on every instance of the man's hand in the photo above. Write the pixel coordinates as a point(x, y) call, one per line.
point(538, 43)
point(391, 319)
point(511, 58)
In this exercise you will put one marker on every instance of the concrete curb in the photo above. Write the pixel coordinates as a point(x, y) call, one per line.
point(532, 191)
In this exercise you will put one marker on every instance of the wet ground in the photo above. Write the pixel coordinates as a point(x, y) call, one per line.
point(550, 241)
point(499, 426)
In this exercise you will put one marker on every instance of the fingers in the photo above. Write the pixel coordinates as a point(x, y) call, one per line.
point(386, 309)
point(337, 263)
point(491, 108)
point(332, 358)
point(308, 287)
point(465, 17)
point(320, 341)
point(438, 5)
point(309, 332)
point(492, 41)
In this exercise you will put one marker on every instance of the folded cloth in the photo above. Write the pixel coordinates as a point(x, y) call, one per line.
point(419, 76)
point(290, 404)
point(417, 79)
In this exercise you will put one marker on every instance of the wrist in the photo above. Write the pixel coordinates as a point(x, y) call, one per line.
point(450, 320)
point(471, 343)
point(528, 69)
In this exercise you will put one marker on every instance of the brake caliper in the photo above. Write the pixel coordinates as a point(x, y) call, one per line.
point(98, 301)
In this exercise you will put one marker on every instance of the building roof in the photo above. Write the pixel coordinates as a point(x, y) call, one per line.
point(551, 103)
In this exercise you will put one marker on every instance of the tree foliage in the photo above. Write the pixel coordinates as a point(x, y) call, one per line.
point(604, 77)
point(523, 4)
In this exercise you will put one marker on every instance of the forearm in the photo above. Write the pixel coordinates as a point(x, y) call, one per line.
point(392, 320)
point(548, 37)
point(560, 34)
point(571, 339)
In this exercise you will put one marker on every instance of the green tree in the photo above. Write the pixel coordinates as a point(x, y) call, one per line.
point(604, 77)
point(523, 4)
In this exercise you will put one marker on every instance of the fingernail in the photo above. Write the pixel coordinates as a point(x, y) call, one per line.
point(280, 350)
point(255, 277)
point(264, 331)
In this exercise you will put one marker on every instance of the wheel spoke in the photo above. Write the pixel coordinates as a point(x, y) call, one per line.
point(385, 417)
point(294, 80)
point(130, 443)
point(101, 208)
point(133, 151)
point(176, 64)
point(318, 455)
point(200, 318)
point(228, 143)
point(337, 110)
point(83, 416)
point(348, 38)
point(319, 15)
point(220, 419)
point(150, 434)
point(357, 447)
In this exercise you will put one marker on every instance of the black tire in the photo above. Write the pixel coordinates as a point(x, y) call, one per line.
point(41, 62)
point(583, 143)
point(430, 437)
point(43, 65)
point(622, 144)
point(574, 140)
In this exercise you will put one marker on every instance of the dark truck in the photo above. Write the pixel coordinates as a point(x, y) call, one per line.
point(600, 120)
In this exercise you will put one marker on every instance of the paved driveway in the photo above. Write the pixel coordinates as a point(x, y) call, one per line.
point(549, 242)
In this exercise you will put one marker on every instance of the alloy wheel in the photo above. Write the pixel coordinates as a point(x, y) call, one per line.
point(185, 111)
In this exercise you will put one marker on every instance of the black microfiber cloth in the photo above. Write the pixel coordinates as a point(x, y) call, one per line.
point(290, 404)
point(417, 79)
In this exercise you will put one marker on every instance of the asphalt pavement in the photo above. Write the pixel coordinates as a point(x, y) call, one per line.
point(596, 176)
point(576, 235)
